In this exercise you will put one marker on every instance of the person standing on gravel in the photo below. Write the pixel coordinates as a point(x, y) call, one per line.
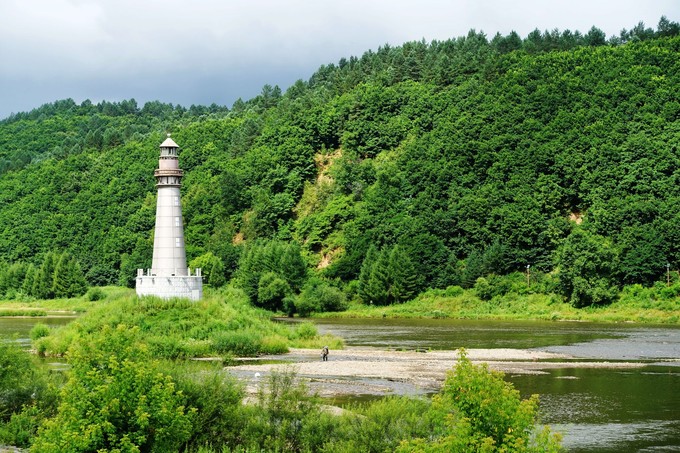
point(324, 353)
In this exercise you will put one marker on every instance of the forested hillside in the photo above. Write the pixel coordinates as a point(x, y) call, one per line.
point(420, 166)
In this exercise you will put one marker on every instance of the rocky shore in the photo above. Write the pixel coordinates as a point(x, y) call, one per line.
point(354, 372)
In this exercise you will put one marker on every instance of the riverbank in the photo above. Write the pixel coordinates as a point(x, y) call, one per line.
point(635, 305)
point(357, 371)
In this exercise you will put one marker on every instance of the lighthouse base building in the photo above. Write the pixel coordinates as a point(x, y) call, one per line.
point(167, 287)
point(169, 275)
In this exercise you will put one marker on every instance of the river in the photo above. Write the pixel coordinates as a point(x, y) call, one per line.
point(596, 409)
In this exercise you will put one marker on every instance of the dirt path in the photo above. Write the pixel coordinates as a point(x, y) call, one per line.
point(368, 371)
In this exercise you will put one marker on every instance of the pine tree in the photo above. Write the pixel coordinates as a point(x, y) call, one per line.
point(377, 288)
point(404, 279)
point(44, 281)
point(78, 284)
point(365, 273)
point(61, 281)
point(29, 280)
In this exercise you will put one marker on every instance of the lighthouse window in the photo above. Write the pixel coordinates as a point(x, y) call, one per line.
point(176, 201)
point(177, 242)
point(176, 221)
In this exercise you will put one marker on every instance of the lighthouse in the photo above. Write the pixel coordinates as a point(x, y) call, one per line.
point(169, 275)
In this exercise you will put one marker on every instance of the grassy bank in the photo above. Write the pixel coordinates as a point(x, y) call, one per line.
point(91, 299)
point(635, 304)
point(223, 324)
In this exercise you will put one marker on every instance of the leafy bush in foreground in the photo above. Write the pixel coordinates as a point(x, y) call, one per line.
point(115, 400)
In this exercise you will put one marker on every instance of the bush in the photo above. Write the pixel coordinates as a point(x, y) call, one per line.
point(116, 399)
point(286, 418)
point(95, 294)
point(39, 330)
point(482, 289)
point(19, 380)
point(318, 295)
point(306, 330)
point(216, 396)
point(382, 425)
point(479, 411)
point(453, 291)
point(241, 343)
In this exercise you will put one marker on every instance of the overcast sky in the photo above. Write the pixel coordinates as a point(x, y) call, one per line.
point(204, 51)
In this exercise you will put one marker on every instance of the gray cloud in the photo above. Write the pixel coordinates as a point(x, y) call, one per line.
point(207, 51)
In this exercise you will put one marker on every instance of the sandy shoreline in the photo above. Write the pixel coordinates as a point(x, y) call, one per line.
point(368, 371)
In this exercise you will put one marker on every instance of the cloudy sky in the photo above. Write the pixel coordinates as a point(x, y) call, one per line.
point(204, 51)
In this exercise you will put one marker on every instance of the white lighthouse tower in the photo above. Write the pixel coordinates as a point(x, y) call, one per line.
point(169, 275)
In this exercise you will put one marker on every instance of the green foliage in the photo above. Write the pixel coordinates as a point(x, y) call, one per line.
point(219, 324)
point(382, 425)
point(470, 156)
point(94, 294)
point(481, 412)
point(59, 276)
point(212, 268)
point(319, 295)
point(586, 265)
point(388, 276)
point(19, 380)
point(269, 270)
point(39, 330)
point(217, 398)
point(271, 291)
point(116, 399)
point(286, 418)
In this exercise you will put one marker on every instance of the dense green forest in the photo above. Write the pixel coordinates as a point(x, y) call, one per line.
point(418, 166)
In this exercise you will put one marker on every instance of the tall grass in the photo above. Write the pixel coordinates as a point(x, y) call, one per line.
point(222, 324)
point(659, 304)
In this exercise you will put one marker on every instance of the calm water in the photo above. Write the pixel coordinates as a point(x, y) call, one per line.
point(597, 410)
point(19, 328)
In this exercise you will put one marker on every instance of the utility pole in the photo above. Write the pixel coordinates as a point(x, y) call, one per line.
point(668, 274)
point(528, 275)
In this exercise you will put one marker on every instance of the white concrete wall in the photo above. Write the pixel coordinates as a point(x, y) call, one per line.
point(190, 287)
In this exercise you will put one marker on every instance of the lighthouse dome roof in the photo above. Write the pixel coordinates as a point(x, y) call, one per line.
point(169, 143)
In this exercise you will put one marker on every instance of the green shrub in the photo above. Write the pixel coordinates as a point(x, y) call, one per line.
point(670, 292)
point(39, 330)
point(479, 411)
point(217, 398)
point(95, 294)
point(19, 379)
point(381, 426)
point(319, 295)
point(116, 399)
point(306, 330)
point(482, 289)
point(285, 417)
point(453, 291)
point(242, 344)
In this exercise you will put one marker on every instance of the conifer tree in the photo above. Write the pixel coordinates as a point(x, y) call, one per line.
point(3, 277)
point(44, 281)
point(78, 285)
point(69, 280)
point(29, 280)
point(61, 281)
point(365, 273)
point(377, 288)
point(404, 279)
